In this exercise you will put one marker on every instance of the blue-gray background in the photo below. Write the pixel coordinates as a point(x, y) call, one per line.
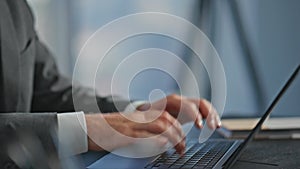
point(258, 42)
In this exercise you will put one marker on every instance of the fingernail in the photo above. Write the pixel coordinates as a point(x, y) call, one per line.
point(219, 122)
point(200, 123)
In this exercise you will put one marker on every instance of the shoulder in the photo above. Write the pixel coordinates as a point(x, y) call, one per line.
point(23, 21)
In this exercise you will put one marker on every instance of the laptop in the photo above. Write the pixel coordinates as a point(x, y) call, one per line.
point(214, 153)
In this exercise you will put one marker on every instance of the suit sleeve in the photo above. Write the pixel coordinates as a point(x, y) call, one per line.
point(28, 136)
point(53, 92)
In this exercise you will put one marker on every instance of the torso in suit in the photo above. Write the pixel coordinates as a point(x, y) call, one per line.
point(30, 82)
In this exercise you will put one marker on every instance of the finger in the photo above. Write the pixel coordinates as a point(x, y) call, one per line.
point(177, 140)
point(167, 118)
point(215, 117)
point(183, 109)
point(219, 123)
point(210, 121)
point(203, 105)
point(170, 133)
point(180, 147)
point(190, 112)
point(206, 109)
point(199, 121)
point(162, 126)
point(173, 104)
point(213, 121)
point(174, 122)
point(169, 127)
point(175, 133)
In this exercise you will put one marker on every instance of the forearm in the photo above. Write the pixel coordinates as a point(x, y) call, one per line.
point(33, 132)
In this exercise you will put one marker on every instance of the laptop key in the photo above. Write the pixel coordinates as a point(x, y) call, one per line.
point(197, 156)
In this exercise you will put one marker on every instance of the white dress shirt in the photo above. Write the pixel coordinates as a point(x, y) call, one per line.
point(72, 131)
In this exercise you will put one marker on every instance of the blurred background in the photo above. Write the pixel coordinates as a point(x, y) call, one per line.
point(258, 42)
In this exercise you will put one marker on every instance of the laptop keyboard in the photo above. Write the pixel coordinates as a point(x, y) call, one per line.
point(204, 155)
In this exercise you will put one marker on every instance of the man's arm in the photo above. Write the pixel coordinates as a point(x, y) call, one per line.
point(28, 139)
point(53, 92)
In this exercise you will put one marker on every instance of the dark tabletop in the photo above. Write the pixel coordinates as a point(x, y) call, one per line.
point(270, 154)
point(259, 154)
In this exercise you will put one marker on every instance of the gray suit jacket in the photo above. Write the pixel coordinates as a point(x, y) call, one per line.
point(30, 82)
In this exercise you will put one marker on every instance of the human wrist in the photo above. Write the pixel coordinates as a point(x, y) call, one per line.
point(90, 124)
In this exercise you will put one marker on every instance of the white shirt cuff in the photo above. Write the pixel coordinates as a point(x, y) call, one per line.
point(132, 106)
point(72, 135)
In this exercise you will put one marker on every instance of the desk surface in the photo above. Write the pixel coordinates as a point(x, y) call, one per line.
point(262, 154)
point(270, 154)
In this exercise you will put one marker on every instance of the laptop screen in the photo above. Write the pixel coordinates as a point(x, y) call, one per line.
point(257, 128)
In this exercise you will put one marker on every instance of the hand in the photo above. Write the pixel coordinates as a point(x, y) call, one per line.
point(160, 125)
point(186, 110)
